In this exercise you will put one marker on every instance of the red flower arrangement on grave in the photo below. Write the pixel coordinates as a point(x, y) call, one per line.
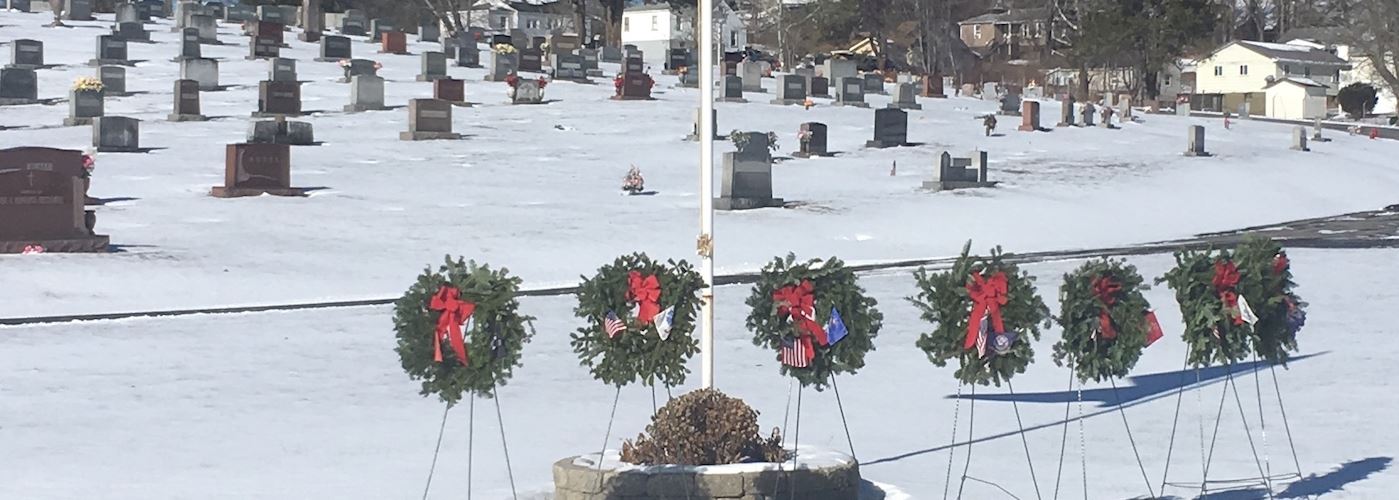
point(514, 81)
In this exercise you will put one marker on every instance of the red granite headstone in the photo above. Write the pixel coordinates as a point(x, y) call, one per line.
point(932, 86)
point(255, 169)
point(1029, 116)
point(393, 42)
point(41, 202)
point(449, 89)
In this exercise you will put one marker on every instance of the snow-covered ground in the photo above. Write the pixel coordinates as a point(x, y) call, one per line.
point(535, 188)
point(314, 405)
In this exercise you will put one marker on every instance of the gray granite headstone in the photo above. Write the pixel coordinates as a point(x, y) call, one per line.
point(714, 126)
point(190, 47)
point(335, 48)
point(207, 26)
point(113, 79)
point(377, 28)
point(202, 70)
point(239, 13)
point(531, 60)
point(733, 89)
point(272, 13)
point(1183, 109)
point(83, 106)
point(890, 128)
point(366, 93)
point(874, 84)
point(1089, 112)
point(820, 86)
point(133, 31)
point(77, 10)
point(354, 23)
point(590, 61)
point(358, 67)
point(752, 74)
point(429, 32)
point(611, 54)
point(838, 69)
point(1195, 145)
point(467, 55)
point(960, 173)
point(26, 54)
point(110, 50)
point(116, 134)
point(1299, 139)
point(791, 89)
point(747, 177)
point(20, 5)
point(814, 143)
point(18, 86)
point(429, 119)
point(186, 102)
point(433, 66)
point(905, 97)
point(502, 65)
point(851, 92)
point(568, 66)
point(1066, 112)
point(281, 69)
point(126, 12)
point(278, 98)
point(526, 91)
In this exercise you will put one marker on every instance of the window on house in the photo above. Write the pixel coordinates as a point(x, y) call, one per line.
point(655, 22)
point(501, 21)
point(733, 39)
point(1219, 71)
point(1166, 80)
point(1337, 76)
point(1286, 69)
point(626, 24)
point(1307, 71)
point(976, 31)
point(1243, 69)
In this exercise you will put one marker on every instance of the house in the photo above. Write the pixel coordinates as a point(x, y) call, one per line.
point(1361, 70)
point(657, 28)
point(535, 19)
point(1237, 75)
point(1295, 98)
point(1006, 34)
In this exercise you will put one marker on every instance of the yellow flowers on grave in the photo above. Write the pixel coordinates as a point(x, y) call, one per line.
point(87, 84)
point(503, 48)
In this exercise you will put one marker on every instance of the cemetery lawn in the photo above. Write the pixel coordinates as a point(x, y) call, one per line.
point(537, 188)
point(313, 404)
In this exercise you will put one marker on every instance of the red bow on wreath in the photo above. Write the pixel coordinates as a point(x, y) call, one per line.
point(454, 313)
point(1280, 264)
point(645, 291)
point(797, 303)
point(988, 295)
point(1226, 277)
point(1106, 289)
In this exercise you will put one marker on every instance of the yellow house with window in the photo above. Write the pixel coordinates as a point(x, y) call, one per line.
point(1238, 75)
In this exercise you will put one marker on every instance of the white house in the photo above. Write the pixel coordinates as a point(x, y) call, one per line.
point(1239, 73)
point(535, 19)
point(1295, 98)
point(656, 28)
point(1362, 70)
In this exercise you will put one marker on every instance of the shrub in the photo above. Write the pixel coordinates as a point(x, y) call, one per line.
point(704, 427)
point(1358, 99)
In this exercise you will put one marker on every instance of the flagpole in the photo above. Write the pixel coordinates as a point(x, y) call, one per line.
point(705, 27)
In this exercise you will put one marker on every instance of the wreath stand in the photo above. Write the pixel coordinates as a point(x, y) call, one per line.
point(1266, 478)
point(612, 418)
point(1082, 441)
point(796, 434)
point(470, 444)
point(971, 439)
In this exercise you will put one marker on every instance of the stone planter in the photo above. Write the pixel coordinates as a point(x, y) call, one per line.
point(819, 475)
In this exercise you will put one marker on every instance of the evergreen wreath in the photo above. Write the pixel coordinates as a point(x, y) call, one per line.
point(461, 308)
point(952, 300)
point(636, 289)
point(1206, 286)
point(1104, 317)
point(1267, 282)
point(792, 301)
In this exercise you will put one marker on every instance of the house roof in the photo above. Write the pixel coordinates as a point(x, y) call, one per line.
point(1326, 35)
point(1009, 16)
point(647, 7)
point(1290, 53)
point(1305, 82)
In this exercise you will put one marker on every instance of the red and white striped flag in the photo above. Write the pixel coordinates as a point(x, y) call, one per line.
point(613, 325)
point(795, 354)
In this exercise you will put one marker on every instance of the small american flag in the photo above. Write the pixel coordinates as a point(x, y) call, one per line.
point(981, 337)
point(613, 325)
point(794, 354)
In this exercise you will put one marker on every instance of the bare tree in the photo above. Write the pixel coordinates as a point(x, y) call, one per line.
point(1373, 30)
